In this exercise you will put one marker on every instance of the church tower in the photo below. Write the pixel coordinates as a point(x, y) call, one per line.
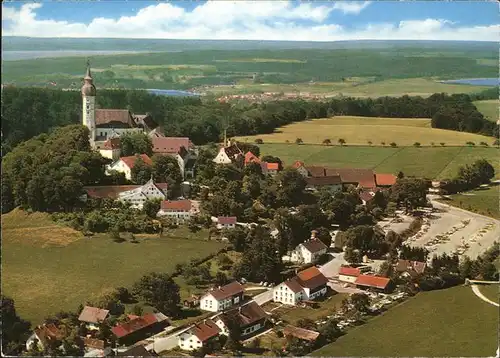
point(88, 98)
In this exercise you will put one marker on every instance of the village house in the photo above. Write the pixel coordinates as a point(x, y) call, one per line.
point(180, 148)
point(222, 298)
point(305, 286)
point(198, 335)
point(410, 268)
point(366, 196)
point(135, 195)
point(250, 158)
point(308, 251)
point(331, 183)
point(250, 318)
point(125, 164)
point(138, 328)
point(179, 211)
point(230, 153)
point(104, 124)
point(110, 149)
point(270, 168)
point(360, 178)
point(349, 274)
point(376, 283)
point(45, 334)
point(93, 316)
point(226, 222)
point(95, 347)
point(385, 180)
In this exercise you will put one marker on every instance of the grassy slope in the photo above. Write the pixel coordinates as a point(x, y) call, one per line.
point(359, 130)
point(452, 322)
point(44, 276)
point(491, 291)
point(489, 109)
point(485, 202)
point(429, 162)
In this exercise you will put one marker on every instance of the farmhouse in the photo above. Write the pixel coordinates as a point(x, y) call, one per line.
point(229, 154)
point(412, 268)
point(361, 178)
point(226, 222)
point(250, 158)
point(198, 335)
point(306, 285)
point(93, 316)
point(332, 183)
point(366, 196)
point(249, 318)
point(222, 298)
point(109, 123)
point(44, 335)
point(377, 283)
point(125, 164)
point(349, 274)
point(270, 168)
point(180, 148)
point(135, 195)
point(385, 180)
point(308, 251)
point(135, 329)
point(178, 210)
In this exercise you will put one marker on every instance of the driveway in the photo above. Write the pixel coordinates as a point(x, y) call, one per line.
point(263, 297)
point(332, 267)
point(479, 294)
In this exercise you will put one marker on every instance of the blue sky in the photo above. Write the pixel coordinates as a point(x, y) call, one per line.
point(275, 20)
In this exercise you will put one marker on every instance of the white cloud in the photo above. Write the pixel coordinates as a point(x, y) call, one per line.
point(238, 20)
point(351, 7)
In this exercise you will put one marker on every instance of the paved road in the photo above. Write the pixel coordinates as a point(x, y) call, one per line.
point(332, 267)
point(263, 297)
point(479, 294)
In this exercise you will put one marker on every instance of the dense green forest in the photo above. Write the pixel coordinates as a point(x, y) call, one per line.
point(188, 69)
point(27, 112)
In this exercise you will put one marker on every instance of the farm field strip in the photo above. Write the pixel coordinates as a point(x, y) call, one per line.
point(489, 109)
point(34, 272)
point(429, 162)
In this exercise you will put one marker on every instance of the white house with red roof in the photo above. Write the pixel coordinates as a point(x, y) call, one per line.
point(222, 298)
point(229, 153)
point(349, 274)
point(198, 335)
point(125, 164)
point(307, 285)
point(226, 222)
point(178, 210)
point(181, 148)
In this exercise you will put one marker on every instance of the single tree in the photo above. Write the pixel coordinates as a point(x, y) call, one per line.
point(341, 141)
point(370, 142)
point(416, 144)
point(298, 141)
point(393, 144)
point(442, 144)
point(327, 141)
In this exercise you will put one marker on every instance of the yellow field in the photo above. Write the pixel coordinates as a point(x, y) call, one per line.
point(489, 109)
point(360, 130)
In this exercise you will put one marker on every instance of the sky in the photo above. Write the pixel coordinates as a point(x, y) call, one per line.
point(255, 20)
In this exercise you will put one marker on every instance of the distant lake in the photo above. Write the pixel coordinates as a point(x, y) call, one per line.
point(475, 81)
point(163, 92)
point(28, 55)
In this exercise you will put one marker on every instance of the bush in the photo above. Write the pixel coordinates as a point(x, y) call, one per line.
point(393, 144)
point(484, 144)
point(298, 141)
point(442, 144)
point(416, 144)
point(259, 141)
point(279, 334)
point(470, 143)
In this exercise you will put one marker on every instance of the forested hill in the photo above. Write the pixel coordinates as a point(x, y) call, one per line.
point(27, 112)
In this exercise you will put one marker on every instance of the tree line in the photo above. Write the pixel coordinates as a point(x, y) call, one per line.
point(28, 112)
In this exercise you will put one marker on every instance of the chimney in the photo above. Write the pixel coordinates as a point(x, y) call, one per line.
point(313, 234)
